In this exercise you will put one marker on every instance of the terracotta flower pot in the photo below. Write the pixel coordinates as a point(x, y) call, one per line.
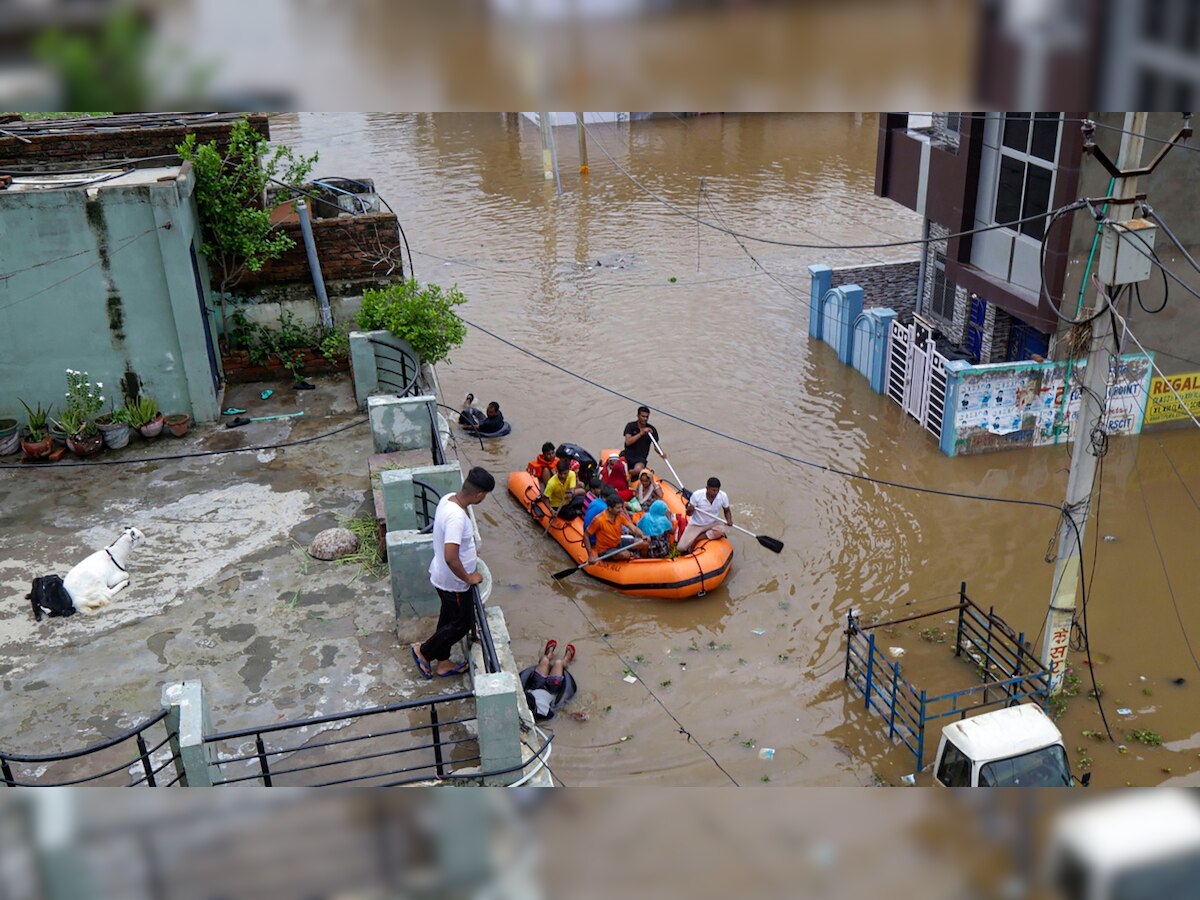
point(178, 423)
point(57, 435)
point(37, 449)
point(85, 445)
point(152, 429)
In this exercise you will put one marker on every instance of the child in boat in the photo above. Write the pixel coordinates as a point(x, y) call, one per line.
point(546, 680)
point(542, 466)
point(657, 525)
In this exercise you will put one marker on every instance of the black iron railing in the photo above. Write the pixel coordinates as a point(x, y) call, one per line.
point(138, 770)
point(435, 439)
point(426, 497)
point(365, 758)
point(396, 371)
point(483, 633)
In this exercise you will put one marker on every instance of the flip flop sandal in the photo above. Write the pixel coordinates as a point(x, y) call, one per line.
point(457, 670)
point(303, 386)
point(233, 411)
point(549, 648)
point(421, 665)
point(266, 395)
point(569, 656)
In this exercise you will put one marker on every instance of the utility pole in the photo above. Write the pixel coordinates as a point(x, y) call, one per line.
point(583, 163)
point(1068, 566)
point(549, 151)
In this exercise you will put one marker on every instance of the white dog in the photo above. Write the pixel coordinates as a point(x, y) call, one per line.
point(94, 582)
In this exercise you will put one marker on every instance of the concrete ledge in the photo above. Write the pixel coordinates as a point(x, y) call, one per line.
point(400, 423)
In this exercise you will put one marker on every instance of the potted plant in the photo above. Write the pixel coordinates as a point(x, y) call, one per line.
point(114, 427)
point(83, 437)
point(36, 443)
point(84, 400)
point(10, 436)
point(177, 423)
point(145, 417)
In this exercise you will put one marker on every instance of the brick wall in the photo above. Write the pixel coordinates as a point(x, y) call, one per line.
point(351, 248)
point(884, 284)
point(52, 149)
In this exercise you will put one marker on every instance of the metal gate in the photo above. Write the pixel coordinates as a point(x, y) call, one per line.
point(917, 374)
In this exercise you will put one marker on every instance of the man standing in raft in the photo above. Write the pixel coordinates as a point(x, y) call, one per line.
point(637, 441)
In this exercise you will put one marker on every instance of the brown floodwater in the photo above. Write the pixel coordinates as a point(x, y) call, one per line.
point(606, 281)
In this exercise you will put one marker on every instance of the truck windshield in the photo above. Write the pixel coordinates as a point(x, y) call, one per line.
point(1046, 767)
point(1174, 877)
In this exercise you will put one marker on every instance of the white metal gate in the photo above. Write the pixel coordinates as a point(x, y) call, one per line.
point(917, 374)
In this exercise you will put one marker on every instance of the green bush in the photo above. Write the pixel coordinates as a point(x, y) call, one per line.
point(422, 315)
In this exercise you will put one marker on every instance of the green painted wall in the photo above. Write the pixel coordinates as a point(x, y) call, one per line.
point(102, 280)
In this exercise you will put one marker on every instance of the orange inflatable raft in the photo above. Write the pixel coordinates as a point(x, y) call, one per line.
point(691, 575)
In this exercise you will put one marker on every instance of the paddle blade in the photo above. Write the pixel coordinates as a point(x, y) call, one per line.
point(770, 543)
point(559, 576)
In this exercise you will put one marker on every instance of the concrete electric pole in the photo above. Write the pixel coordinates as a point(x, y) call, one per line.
point(1068, 567)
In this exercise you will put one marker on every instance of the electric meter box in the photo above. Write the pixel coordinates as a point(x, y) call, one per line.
point(1125, 251)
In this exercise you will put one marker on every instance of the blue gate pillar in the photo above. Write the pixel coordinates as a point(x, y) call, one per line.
point(850, 304)
point(822, 278)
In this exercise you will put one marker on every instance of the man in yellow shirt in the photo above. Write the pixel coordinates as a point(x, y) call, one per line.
point(563, 486)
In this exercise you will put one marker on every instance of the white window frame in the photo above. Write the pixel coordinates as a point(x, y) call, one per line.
point(1026, 158)
point(939, 266)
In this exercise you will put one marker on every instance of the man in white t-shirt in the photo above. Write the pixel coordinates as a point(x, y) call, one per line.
point(452, 573)
point(706, 510)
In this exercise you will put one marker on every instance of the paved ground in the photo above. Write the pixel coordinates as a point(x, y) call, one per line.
point(221, 590)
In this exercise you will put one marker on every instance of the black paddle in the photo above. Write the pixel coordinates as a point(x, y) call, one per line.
point(559, 576)
point(773, 544)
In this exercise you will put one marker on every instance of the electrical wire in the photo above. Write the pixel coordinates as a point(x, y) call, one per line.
point(1129, 333)
point(50, 467)
point(1166, 575)
point(756, 446)
point(764, 240)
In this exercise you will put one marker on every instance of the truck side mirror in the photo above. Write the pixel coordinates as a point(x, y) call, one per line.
point(1085, 779)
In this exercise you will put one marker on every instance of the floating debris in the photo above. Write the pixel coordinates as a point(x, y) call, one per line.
point(896, 651)
point(766, 753)
point(759, 631)
point(632, 679)
point(908, 780)
point(1124, 711)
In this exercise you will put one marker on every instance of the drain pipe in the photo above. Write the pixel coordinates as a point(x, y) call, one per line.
point(314, 264)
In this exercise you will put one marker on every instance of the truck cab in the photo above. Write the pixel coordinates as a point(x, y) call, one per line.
point(1142, 845)
point(1014, 747)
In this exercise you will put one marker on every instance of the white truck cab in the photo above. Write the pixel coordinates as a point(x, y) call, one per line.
point(1141, 845)
point(1014, 747)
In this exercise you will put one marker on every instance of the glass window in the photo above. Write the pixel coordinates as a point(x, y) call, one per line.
point(1154, 19)
point(955, 770)
point(1045, 136)
point(1172, 877)
point(1037, 200)
point(1016, 131)
point(1047, 767)
point(954, 122)
point(1008, 193)
point(941, 294)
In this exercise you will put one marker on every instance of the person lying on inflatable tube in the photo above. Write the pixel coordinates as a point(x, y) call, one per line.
point(489, 424)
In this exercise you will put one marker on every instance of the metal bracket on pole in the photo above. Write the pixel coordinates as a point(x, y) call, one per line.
point(1089, 146)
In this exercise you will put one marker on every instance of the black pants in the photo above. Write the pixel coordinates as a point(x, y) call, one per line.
point(456, 618)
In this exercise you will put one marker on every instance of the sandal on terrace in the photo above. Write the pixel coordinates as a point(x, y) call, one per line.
point(549, 648)
point(569, 656)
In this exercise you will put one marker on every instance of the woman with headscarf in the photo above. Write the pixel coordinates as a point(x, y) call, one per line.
point(647, 489)
point(616, 475)
point(656, 524)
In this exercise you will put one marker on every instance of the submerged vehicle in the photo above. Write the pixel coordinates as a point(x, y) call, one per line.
point(1014, 747)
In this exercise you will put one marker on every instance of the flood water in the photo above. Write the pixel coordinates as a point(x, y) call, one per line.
point(609, 283)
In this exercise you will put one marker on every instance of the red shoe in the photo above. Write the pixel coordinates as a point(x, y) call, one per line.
point(569, 656)
point(550, 647)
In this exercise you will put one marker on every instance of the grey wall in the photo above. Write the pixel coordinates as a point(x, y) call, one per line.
point(884, 284)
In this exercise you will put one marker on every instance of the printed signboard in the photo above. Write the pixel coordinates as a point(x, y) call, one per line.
point(1163, 406)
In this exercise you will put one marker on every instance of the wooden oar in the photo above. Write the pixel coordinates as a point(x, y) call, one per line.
point(773, 544)
point(559, 576)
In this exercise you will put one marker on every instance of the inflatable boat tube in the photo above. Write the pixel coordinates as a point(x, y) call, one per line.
point(691, 575)
point(561, 699)
point(470, 419)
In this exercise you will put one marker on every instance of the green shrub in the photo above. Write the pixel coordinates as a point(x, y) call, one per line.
point(422, 315)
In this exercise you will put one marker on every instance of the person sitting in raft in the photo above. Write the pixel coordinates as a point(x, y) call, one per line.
point(596, 507)
point(547, 679)
point(595, 488)
point(609, 528)
point(542, 466)
point(616, 476)
point(493, 423)
point(648, 490)
point(562, 489)
point(659, 527)
point(706, 509)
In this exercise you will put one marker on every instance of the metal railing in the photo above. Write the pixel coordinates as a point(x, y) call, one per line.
point(139, 770)
point(483, 633)
point(396, 371)
point(365, 759)
point(426, 497)
point(1008, 673)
